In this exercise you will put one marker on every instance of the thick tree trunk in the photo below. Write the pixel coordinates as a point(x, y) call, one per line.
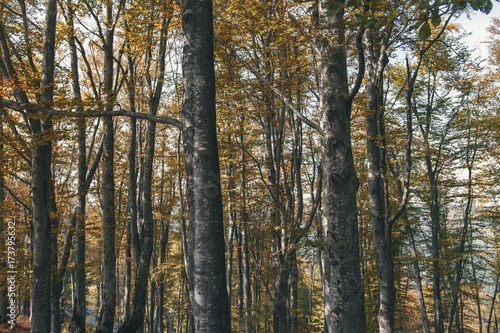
point(41, 179)
point(107, 311)
point(342, 282)
point(209, 305)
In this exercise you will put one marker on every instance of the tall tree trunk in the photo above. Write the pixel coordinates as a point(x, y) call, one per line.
point(418, 279)
point(77, 324)
point(108, 307)
point(341, 264)
point(245, 255)
point(41, 179)
point(239, 273)
point(247, 287)
point(375, 147)
point(296, 125)
point(132, 235)
point(165, 227)
point(136, 318)
point(144, 251)
point(492, 307)
point(435, 226)
point(209, 305)
point(127, 274)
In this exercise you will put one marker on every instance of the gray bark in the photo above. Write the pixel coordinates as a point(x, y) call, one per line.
point(77, 324)
point(341, 264)
point(239, 273)
point(107, 311)
point(461, 250)
point(245, 260)
point(146, 236)
point(418, 279)
point(41, 185)
point(377, 190)
point(495, 292)
point(208, 305)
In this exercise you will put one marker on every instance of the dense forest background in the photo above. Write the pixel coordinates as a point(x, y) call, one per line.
point(302, 167)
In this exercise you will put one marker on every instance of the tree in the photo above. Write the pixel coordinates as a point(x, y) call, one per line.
point(40, 167)
point(108, 307)
point(342, 284)
point(209, 305)
point(145, 244)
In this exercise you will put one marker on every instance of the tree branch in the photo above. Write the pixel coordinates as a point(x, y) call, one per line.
point(361, 64)
point(273, 88)
point(43, 110)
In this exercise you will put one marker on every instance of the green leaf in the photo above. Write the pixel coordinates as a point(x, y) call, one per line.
point(425, 31)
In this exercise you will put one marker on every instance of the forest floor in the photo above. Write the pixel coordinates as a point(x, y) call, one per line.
point(22, 325)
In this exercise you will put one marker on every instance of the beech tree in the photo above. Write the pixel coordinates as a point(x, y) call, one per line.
point(283, 161)
point(208, 302)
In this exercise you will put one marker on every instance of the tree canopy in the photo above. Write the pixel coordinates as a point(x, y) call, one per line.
point(256, 166)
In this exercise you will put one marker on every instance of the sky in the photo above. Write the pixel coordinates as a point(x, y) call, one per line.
point(477, 23)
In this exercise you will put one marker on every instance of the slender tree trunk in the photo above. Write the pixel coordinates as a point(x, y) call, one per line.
point(77, 324)
point(165, 227)
point(247, 287)
point(143, 247)
point(461, 250)
point(436, 270)
point(296, 125)
point(418, 279)
point(492, 307)
point(293, 285)
point(381, 226)
point(107, 312)
point(152, 302)
point(136, 318)
point(57, 280)
point(478, 297)
point(41, 179)
point(132, 235)
point(127, 278)
point(245, 260)
point(209, 304)
point(239, 273)
point(341, 264)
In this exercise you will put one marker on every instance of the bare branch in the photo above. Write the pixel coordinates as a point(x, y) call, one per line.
point(305, 34)
point(42, 110)
point(361, 64)
point(273, 88)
